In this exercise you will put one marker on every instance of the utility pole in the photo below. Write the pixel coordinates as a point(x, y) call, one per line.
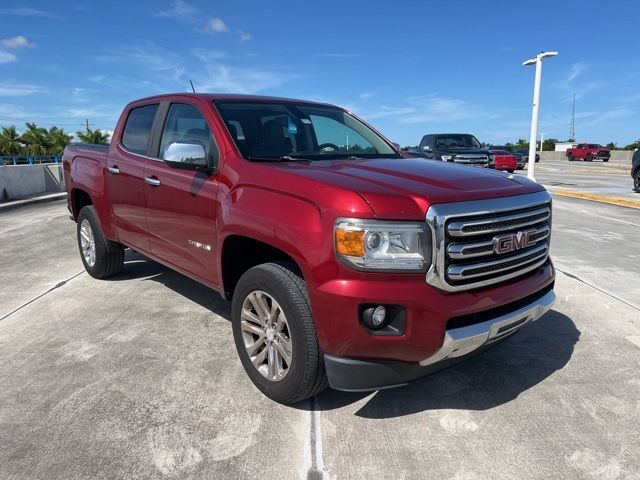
point(572, 130)
point(86, 121)
point(534, 111)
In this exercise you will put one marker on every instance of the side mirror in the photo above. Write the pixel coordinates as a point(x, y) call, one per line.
point(426, 148)
point(186, 156)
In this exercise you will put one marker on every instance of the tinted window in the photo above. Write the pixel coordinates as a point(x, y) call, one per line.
point(185, 124)
point(268, 130)
point(457, 140)
point(135, 136)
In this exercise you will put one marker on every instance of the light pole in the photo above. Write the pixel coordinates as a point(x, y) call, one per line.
point(534, 112)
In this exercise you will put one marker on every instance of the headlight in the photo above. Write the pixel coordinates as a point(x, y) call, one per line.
point(381, 245)
point(446, 158)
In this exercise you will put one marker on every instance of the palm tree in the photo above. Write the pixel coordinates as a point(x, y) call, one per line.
point(56, 140)
point(35, 139)
point(10, 141)
point(96, 136)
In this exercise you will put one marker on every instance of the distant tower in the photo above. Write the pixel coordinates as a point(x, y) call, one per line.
point(572, 128)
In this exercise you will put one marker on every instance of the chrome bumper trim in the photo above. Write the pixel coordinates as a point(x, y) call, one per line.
point(460, 341)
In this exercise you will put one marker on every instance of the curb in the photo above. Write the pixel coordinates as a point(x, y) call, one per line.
point(10, 205)
point(594, 197)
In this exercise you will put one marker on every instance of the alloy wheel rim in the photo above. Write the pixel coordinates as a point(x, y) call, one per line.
point(266, 335)
point(87, 243)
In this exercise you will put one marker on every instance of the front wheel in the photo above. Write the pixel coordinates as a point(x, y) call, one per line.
point(101, 257)
point(274, 334)
point(636, 181)
point(589, 158)
point(570, 157)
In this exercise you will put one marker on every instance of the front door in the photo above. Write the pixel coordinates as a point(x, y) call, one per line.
point(181, 204)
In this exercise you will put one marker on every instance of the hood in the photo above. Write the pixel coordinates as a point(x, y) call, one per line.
point(457, 150)
point(404, 188)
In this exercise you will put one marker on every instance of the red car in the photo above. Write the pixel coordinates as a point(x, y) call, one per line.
point(503, 160)
point(588, 152)
point(346, 264)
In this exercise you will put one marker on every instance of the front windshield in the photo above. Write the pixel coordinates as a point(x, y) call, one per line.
point(457, 140)
point(273, 130)
point(595, 145)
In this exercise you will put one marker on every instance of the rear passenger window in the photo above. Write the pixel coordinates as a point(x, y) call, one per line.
point(135, 136)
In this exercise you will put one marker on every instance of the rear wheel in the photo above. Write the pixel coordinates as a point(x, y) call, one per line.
point(589, 158)
point(570, 157)
point(101, 257)
point(636, 181)
point(274, 334)
point(605, 160)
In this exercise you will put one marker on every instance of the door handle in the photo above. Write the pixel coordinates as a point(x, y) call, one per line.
point(115, 170)
point(154, 182)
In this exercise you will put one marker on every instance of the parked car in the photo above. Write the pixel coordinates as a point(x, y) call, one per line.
point(588, 152)
point(520, 162)
point(635, 170)
point(525, 155)
point(502, 160)
point(453, 147)
point(345, 263)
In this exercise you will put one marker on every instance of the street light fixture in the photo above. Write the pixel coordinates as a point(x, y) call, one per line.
point(534, 112)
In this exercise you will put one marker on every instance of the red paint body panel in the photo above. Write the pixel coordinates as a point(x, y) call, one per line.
point(293, 206)
point(584, 150)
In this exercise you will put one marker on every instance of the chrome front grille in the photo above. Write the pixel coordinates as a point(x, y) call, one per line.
point(484, 242)
point(471, 158)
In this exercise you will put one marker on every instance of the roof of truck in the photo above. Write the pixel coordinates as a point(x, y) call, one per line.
point(232, 96)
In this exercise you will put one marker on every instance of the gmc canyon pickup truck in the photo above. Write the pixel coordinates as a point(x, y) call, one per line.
point(347, 264)
point(588, 152)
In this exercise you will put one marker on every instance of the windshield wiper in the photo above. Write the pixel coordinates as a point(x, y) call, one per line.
point(288, 158)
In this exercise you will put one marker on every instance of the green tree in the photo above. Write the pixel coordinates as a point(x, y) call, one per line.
point(10, 143)
point(611, 146)
point(633, 146)
point(97, 136)
point(522, 144)
point(56, 140)
point(549, 145)
point(34, 139)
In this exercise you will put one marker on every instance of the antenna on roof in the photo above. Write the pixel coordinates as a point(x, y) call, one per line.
point(192, 88)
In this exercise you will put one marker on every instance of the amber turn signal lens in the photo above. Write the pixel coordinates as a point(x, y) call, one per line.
point(350, 242)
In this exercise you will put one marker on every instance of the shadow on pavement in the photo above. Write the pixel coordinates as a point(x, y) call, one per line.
point(488, 380)
point(139, 266)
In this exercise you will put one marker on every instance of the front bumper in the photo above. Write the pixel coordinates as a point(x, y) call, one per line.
point(459, 343)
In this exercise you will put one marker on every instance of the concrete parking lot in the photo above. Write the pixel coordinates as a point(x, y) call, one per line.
point(137, 377)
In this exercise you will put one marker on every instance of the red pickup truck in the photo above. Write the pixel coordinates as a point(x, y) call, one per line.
point(346, 263)
point(588, 152)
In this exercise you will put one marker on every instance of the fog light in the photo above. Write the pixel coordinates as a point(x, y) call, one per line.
point(379, 316)
point(375, 317)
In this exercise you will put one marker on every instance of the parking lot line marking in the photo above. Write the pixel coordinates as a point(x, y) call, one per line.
point(606, 292)
point(596, 198)
point(597, 215)
point(56, 286)
point(313, 464)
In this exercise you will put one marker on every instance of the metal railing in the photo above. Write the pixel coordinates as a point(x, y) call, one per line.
point(29, 159)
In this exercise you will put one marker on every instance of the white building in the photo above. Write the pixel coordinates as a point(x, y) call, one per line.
point(562, 147)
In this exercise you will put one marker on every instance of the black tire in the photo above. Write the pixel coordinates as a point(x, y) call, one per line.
point(605, 160)
point(570, 157)
point(589, 158)
point(109, 256)
point(306, 376)
point(510, 171)
point(636, 181)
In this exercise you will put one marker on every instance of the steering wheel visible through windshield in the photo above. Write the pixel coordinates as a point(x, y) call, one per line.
point(288, 130)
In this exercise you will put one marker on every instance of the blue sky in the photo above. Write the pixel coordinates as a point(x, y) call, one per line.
point(408, 67)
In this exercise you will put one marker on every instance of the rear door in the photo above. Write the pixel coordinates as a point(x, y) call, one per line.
point(181, 204)
point(125, 177)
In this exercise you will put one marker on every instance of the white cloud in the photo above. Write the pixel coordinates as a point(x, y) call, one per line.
point(179, 9)
point(7, 57)
point(226, 78)
point(575, 71)
point(338, 55)
point(19, 41)
point(27, 12)
point(8, 89)
point(215, 25)
point(244, 36)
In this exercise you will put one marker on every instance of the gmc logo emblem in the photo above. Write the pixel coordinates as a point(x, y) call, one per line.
point(513, 241)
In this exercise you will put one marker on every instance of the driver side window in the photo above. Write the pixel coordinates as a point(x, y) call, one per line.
point(185, 124)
